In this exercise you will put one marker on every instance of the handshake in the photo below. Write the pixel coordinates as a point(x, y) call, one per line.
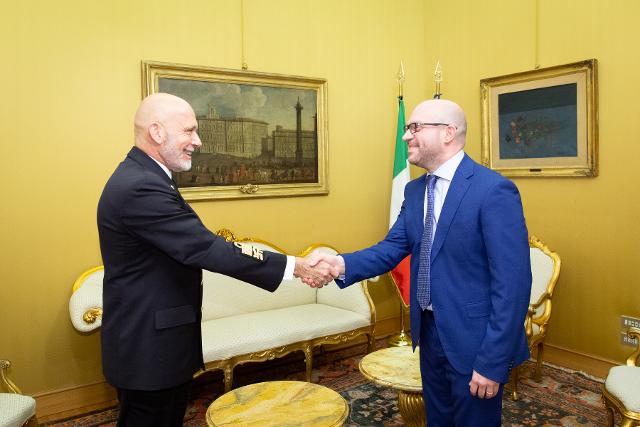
point(317, 269)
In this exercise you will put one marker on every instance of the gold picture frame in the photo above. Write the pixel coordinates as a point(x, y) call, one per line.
point(542, 122)
point(263, 134)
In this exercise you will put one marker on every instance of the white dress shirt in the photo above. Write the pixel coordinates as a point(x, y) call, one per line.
point(291, 260)
point(445, 174)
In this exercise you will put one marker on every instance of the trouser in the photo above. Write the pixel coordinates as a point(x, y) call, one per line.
point(158, 408)
point(448, 401)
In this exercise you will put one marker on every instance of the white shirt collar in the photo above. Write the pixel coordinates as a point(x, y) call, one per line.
point(164, 168)
point(448, 168)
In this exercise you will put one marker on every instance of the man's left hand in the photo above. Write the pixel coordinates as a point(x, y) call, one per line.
point(483, 387)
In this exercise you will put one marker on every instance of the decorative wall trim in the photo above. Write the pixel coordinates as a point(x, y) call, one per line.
point(73, 401)
point(578, 361)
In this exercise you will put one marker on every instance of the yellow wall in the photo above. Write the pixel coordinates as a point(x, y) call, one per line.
point(71, 83)
point(591, 223)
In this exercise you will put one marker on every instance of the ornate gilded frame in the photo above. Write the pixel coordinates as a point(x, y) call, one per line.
point(282, 173)
point(533, 97)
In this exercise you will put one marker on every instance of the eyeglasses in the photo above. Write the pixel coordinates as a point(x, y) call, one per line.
point(413, 127)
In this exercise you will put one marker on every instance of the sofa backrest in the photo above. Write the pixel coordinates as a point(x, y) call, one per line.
point(353, 298)
point(224, 296)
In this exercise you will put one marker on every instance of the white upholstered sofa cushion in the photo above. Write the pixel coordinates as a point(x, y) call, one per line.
point(624, 383)
point(16, 409)
point(245, 333)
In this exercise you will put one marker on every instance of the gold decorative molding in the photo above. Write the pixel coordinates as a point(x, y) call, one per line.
point(4, 365)
point(411, 407)
point(227, 234)
point(249, 188)
point(91, 315)
point(80, 280)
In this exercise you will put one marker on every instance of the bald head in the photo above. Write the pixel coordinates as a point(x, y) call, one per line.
point(442, 111)
point(437, 131)
point(165, 128)
point(158, 107)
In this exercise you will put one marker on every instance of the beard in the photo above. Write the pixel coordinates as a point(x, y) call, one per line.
point(172, 156)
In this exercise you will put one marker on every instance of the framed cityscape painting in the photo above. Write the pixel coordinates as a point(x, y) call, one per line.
point(542, 122)
point(263, 135)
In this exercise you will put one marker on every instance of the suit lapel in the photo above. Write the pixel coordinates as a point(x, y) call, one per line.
point(142, 158)
point(419, 206)
point(459, 185)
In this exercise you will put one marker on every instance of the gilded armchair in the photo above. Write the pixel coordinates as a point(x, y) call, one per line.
point(16, 410)
point(85, 304)
point(545, 269)
point(621, 390)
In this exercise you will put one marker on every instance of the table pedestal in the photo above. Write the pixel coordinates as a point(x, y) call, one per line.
point(411, 407)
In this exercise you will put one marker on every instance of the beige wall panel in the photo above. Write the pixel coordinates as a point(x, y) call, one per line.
point(591, 223)
point(71, 84)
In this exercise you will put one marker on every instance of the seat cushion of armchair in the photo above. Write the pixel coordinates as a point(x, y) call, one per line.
point(16, 409)
point(226, 337)
point(624, 383)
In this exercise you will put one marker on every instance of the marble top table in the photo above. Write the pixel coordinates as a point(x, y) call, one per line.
point(398, 368)
point(279, 403)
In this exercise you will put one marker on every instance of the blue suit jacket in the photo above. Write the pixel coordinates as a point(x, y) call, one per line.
point(480, 269)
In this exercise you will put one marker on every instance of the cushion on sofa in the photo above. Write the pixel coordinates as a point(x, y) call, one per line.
point(246, 333)
point(224, 296)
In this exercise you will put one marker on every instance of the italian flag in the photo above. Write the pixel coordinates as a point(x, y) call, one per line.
point(401, 177)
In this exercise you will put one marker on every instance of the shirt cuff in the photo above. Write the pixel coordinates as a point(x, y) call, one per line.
point(291, 265)
point(343, 275)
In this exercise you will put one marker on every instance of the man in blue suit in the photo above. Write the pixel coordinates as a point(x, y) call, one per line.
point(470, 270)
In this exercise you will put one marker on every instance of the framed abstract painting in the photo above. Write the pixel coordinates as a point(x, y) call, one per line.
point(542, 122)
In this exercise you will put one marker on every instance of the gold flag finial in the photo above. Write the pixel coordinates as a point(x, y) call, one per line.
point(437, 77)
point(400, 79)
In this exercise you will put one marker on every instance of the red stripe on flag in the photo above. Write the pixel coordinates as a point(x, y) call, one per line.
point(400, 275)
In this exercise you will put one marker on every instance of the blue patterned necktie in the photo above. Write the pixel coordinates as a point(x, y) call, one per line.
point(424, 265)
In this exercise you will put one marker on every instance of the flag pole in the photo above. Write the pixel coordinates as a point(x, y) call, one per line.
point(402, 338)
point(437, 77)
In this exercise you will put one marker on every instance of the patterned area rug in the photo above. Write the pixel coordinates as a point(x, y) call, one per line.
point(563, 398)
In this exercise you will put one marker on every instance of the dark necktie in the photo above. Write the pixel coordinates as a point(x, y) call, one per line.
point(424, 266)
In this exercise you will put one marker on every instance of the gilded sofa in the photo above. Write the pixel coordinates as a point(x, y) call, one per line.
point(242, 323)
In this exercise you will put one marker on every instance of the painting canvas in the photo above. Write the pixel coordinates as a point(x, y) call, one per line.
point(262, 134)
point(541, 123)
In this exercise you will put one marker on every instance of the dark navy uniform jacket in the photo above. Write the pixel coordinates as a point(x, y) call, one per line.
point(154, 248)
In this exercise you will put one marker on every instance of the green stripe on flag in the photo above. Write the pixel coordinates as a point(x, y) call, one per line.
point(400, 160)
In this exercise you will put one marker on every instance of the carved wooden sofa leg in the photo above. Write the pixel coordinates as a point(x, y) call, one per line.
point(308, 359)
point(371, 342)
point(228, 377)
point(538, 374)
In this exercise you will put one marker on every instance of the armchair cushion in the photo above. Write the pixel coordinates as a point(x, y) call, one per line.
point(623, 382)
point(16, 409)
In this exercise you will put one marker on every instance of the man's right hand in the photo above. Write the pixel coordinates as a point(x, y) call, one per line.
point(319, 260)
point(314, 272)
